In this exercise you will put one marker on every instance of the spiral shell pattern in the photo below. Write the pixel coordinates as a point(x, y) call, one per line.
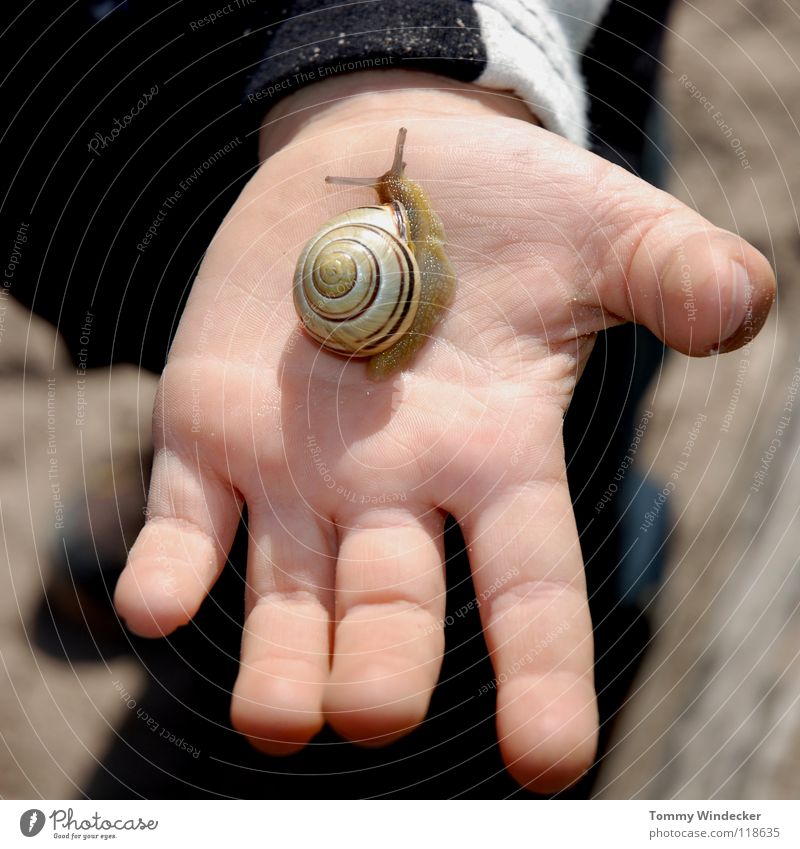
point(357, 283)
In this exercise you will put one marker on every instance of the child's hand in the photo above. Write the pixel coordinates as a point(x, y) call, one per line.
point(347, 482)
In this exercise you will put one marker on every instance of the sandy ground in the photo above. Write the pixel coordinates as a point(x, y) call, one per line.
point(715, 709)
point(55, 716)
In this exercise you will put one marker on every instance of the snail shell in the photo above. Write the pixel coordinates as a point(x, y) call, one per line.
point(357, 282)
point(375, 281)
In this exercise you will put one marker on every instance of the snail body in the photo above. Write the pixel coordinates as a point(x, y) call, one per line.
point(375, 280)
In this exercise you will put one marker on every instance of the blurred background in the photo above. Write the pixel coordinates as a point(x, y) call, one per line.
point(713, 710)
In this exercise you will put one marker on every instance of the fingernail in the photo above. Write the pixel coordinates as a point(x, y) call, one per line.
point(742, 299)
point(739, 327)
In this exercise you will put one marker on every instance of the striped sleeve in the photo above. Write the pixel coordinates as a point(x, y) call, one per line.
point(531, 48)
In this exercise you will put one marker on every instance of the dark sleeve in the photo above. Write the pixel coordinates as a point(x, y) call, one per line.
point(529, 47)
point(622, 68)
point(131, 127)
point(125, 143)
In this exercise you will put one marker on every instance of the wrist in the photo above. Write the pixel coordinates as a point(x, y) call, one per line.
point(375, 96)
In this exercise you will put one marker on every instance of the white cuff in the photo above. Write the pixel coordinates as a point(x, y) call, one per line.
point(533, 49)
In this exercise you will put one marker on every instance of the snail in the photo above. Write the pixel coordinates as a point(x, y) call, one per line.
point(374, 281)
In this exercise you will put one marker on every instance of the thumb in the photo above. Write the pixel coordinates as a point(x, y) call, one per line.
point(700, 289)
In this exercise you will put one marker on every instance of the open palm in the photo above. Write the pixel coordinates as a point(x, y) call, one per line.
point(347, 482)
